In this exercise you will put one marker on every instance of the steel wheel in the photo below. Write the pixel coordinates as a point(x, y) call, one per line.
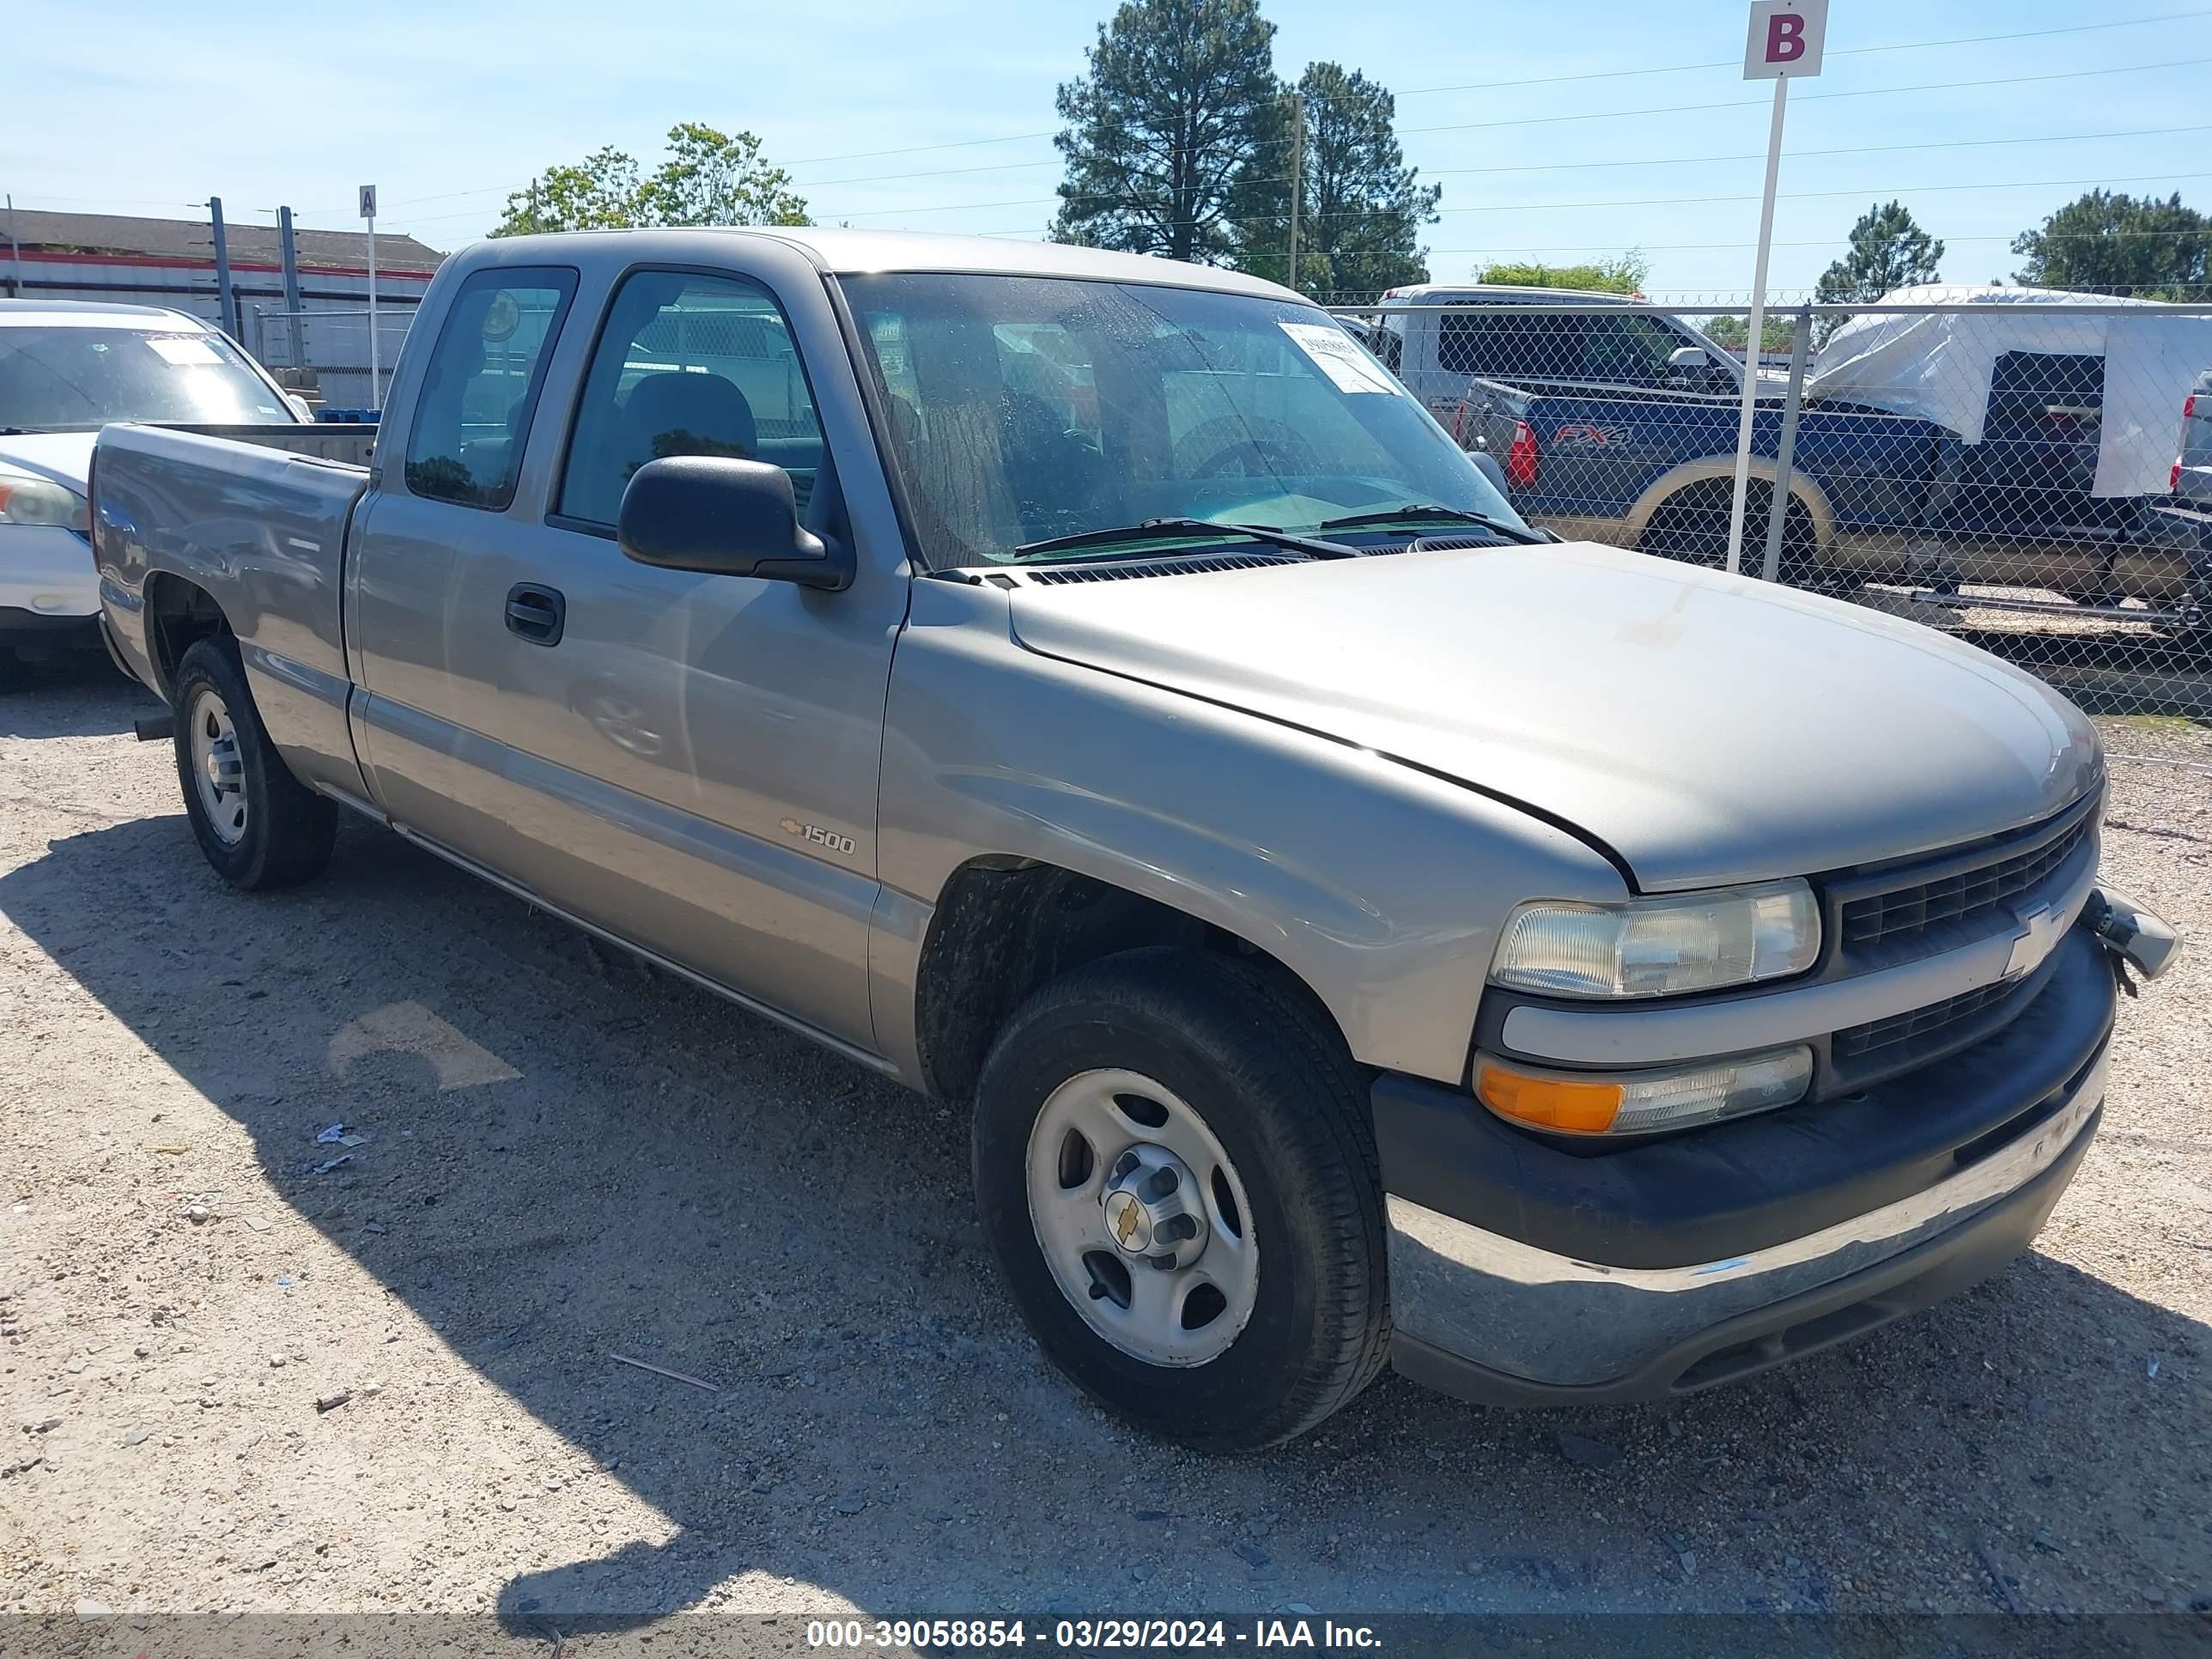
point(1142, 1218)
point(217, 770)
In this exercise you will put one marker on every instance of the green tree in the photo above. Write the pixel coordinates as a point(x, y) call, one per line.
point(597, 193)
point(1775, 331)
point(716, 179)
point(1361, 209)
point(1888, 250)
point(1622, 275)
point(709, 178)
point(2108, 242)
point(1169, 128)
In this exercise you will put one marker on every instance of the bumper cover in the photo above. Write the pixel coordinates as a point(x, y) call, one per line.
point(1522, 1273)
point(45, 576)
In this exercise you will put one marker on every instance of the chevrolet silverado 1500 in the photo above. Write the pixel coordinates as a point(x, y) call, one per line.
point(1091, 687)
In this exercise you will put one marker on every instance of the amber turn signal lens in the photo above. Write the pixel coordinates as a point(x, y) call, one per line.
point(1642, 1101)
point(1549, 1102)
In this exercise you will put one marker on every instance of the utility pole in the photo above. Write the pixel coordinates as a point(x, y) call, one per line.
point(226, 320)
point(290, 253)
point(1297, 175)
point(14, 253)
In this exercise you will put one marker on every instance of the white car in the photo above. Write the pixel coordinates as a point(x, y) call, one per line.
point(66, 369)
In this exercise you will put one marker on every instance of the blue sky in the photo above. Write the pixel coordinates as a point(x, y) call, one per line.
point(448, 107)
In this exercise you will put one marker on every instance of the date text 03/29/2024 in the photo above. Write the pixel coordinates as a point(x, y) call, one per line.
point(1084, 1635)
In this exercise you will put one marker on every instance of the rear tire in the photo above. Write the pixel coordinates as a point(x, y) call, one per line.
point(259, 826)
point(1692, 526)
point(1206, 1067)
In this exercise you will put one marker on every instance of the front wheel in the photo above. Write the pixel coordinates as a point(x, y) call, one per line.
point(1175, 1169)
point(259, 826)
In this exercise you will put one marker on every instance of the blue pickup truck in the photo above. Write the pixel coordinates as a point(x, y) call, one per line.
point(2013, 489)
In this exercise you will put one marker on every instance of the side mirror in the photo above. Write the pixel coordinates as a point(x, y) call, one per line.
point(720, 516)
point(1487, 464)
point(1689, 360)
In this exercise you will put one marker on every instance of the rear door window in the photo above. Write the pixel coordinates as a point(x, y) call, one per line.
point(1512, 343)
point(481, 387)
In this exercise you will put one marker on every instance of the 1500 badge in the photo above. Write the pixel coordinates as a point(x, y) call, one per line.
point(818, 836)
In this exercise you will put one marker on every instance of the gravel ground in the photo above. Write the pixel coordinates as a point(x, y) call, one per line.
point(568, 1158)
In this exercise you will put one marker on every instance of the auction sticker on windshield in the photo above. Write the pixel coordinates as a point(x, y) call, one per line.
point(1332, 351)
point(182, 351)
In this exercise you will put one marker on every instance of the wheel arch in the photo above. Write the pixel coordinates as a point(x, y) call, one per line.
point(1672, 483)
point(179, 613)
point(1004, 926)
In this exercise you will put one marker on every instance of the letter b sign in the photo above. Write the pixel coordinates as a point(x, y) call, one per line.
point(1786, 39)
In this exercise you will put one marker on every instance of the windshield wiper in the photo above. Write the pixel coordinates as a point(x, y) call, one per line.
point(1417, 510)
point(1148, 530)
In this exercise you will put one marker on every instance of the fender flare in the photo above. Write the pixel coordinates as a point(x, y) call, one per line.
point(1802, 488)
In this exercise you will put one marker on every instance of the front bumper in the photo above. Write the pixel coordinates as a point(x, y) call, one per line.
point(1525, 1274)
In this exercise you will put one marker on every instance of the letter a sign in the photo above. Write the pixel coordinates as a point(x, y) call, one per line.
point(1785, 40)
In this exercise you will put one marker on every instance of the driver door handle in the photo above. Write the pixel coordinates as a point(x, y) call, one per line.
point(536, 613)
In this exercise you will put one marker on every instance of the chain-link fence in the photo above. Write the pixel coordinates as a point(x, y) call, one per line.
point(333, 345)
point(1999, 464)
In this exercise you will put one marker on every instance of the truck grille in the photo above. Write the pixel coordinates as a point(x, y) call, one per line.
point(1963, 895)
point(1930, 1023)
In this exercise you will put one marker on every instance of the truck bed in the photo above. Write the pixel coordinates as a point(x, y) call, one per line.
point(255, 517)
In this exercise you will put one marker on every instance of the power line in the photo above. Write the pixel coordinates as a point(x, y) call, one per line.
point(1417, 92)
point(1868, 92)
point(1795, 155)
point(918, 149)
point(1850, 52)
point(1798, 195)
point(1540, 207)
point(1607, 115)
point(1574, 167)
point(1030, 233)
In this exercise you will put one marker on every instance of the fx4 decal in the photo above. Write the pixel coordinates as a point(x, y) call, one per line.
point(1577, 436)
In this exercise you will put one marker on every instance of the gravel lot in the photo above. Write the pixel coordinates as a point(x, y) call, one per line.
point(568, 1158)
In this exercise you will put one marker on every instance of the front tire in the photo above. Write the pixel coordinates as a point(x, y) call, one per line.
point(1176, 1170)
point(259, 826)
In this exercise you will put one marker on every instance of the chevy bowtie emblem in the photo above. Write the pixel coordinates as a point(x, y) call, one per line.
point(2038, 931)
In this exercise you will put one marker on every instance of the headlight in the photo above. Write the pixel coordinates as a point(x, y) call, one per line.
point(41, 501)
point(1642, 1103)
point(1660, 947)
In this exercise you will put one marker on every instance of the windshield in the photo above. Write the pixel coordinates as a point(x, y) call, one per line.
point(68, 379)
point(1023, 409)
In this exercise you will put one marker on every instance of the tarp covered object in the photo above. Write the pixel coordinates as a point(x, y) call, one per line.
point(1937, 366)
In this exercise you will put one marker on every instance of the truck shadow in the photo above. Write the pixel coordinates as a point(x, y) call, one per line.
point(80, 695)
point(570, 1158)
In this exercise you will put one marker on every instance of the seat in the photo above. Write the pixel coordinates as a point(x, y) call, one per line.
point(675, 413)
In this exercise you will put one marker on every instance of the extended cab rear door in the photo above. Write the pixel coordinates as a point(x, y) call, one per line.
point(687, 761)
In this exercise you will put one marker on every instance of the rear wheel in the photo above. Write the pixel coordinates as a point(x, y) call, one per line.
point(1176, 1169)
point(259, 826)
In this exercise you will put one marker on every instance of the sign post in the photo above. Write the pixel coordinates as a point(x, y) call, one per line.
point(376, 369)
point(1784, 44)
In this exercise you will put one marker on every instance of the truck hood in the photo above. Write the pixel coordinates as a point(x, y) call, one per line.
point(65, 458)
point(1706, 728)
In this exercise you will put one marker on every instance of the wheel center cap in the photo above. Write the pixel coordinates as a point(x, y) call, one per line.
point(1126, 1224)
point(1152, 1209)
